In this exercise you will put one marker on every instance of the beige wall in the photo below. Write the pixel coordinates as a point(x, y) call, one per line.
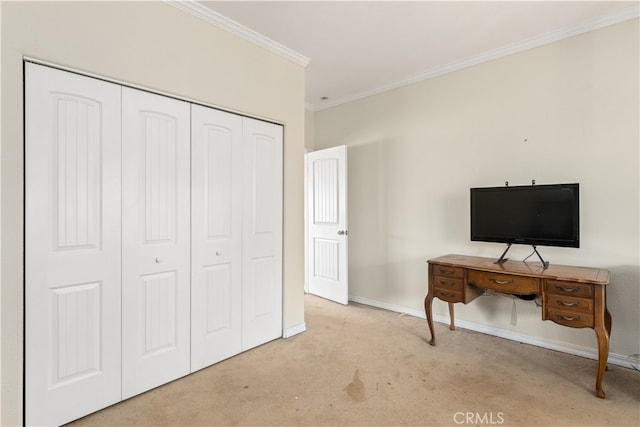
point(157, 46)
point(414, 152)
point(310, 130)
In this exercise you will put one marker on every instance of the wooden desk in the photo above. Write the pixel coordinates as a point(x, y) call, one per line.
point(571, 296)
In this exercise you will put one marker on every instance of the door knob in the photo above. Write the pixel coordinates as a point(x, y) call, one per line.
point(218, 253)
point(341, 232)
point(158, 260)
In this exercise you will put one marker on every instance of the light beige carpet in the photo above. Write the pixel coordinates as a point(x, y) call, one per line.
point(361, 366)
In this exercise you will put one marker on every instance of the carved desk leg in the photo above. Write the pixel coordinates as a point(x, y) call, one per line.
point(602, 328)
point(427, 310)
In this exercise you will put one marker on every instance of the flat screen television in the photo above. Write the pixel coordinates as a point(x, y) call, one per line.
point(546, 215)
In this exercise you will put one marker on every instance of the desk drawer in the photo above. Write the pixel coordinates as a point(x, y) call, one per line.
point(445, 270)
point(568, 288)
point(448, 295)
point(447, 283)
point(506, 283)
point(563, 303)
point(572, 319)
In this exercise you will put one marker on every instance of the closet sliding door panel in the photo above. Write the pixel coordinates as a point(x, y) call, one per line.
point(72, 245)
point(262, 232)
point(156, 240)
point(216, 236)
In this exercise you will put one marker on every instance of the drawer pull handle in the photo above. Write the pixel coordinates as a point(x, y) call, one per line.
point(501, 282)
point(568, 304)
point(447, 283)
point(570, 319)
point(443, 271)
point(565, 289)
point(447, 294)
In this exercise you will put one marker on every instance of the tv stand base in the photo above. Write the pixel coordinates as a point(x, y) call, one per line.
point(545, 264)
point(502, 258)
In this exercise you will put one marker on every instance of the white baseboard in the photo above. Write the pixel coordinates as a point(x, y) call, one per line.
point(614, 359)
point(294, 330)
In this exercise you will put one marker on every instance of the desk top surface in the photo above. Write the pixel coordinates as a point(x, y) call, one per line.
point(596, 276)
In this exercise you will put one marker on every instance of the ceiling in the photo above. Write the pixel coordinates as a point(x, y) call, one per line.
point(359, 48)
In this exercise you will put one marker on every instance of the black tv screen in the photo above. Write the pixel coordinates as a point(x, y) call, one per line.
point(546, 215)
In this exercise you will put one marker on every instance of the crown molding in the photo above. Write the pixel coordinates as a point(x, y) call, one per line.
point(196, 9)
point(626, 14)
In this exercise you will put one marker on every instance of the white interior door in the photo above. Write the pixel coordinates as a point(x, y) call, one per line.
point(72, 245)
point(327, 224)
point(216, 236)
point(156, 240)
point(262, 232)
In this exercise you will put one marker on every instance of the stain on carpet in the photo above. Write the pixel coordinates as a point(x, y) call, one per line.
point(355, 389)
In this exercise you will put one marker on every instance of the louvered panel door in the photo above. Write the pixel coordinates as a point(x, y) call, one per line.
point(262, 232)
point(72, 245)
point(216, 236)
point(156, 240)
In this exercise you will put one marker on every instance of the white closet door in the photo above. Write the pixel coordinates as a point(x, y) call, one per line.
point(262, 232)
point(216, 236)
point(156, 241)
point(72, 245)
